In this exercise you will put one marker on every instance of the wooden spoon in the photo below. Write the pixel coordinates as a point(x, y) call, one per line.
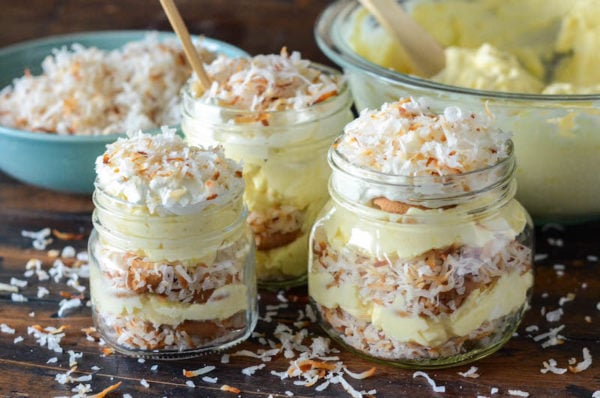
point(184, 36)
point(425, 53)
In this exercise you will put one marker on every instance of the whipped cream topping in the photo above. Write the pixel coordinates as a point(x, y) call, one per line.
point(166, 175)
point(406, 138)
point(268, 82)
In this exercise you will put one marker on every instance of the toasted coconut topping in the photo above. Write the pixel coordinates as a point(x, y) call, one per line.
point(268, 83)
point(165, 174)
point(407, 138)
point(89, 91)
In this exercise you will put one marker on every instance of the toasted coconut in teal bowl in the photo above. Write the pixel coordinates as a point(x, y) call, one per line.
point(65, 97)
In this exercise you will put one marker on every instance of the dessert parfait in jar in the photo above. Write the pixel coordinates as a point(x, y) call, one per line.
point(171, 256)
point(278, 115)
point(422, 258)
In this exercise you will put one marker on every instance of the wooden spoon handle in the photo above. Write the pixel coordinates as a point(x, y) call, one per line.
point(184, 37)
point(426, 54)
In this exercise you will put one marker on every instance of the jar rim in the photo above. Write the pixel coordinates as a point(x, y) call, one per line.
point(480, 190)
point(339, 162)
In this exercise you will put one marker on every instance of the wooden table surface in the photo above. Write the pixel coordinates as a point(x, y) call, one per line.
point(568, 270)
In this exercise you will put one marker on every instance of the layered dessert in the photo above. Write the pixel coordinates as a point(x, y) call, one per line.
point(422, 257)
point(277, 114)
point(171, 252)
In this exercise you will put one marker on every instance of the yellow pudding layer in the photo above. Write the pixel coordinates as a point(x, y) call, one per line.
point(286, 178)
point(283, 177)
point(502, 298)
point(283, 262)
point(173, 237)
point(409, 240)
point(224, 303)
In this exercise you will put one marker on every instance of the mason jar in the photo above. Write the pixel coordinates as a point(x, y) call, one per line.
point(438, 273)
point(284, 155)
point(171, 286)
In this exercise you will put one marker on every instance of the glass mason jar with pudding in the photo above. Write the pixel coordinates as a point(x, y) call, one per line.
point(422, 258)
point(171, 256)
point(278, 119)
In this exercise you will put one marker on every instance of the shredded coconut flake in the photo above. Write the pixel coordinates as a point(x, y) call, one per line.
point(18, 282)
point(518, 393)
point(42, 292)
point(569, 297)
point(471, 373)
point(198, 372)
point(18, 298)
point(66, 305)
point(583, 365)
point(73, 356)
point(5, 287)
point(553, 336)
point(48, 336)
point(40, 238)
point(4, 328)
point(554, 316)
point(250, 370)
point(431, 382)
point(551, 366)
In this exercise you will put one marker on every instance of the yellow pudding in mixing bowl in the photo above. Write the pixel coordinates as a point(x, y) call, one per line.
point(532, 63)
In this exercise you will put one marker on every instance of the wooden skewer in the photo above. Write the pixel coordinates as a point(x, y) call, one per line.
point(425, 53)
point(184, 36)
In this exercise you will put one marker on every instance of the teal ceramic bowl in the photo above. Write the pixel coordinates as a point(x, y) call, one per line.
point(63, 163)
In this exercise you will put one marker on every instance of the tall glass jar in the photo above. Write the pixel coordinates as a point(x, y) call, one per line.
point(284, 154)
point(439, 275)
point(171, 286)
